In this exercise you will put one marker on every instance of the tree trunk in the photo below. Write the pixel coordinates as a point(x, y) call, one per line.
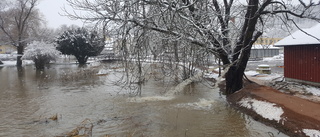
point(82, 59)
point(176, 51)
point(20, 53)
point(234, 76)
point(39, 63)
point(234, 81)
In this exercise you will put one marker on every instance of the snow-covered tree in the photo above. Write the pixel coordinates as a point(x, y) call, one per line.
point(80, 43)
point(225, 28)
point(19, 21)
point(41, 53)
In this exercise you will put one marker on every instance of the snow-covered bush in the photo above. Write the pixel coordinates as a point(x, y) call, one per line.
point(41, 53)
point(80, 43)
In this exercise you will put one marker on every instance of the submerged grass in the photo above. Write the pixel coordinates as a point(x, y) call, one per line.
point(85, 73)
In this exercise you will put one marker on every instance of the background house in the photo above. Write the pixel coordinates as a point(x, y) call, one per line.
point(266, 41)
point(263, 47)
point(7, 49)
point(302, 56)
point(258, 52)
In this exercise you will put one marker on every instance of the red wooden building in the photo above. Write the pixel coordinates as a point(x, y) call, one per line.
point(302, 56)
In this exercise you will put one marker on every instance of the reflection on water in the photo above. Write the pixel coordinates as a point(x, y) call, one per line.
point(29, 97)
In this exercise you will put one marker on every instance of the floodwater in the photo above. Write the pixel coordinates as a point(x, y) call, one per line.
point(28, 98)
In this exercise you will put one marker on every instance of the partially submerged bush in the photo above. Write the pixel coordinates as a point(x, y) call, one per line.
point(41, 53)
point(81, 43)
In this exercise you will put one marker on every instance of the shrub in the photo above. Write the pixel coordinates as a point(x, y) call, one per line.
point(80, 43)
point(41, 53)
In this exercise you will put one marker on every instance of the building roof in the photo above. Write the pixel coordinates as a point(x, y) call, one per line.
point(301, 38)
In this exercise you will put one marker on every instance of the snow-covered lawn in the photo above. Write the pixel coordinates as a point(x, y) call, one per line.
point(13, 63)
point(8, 57)
point(313, 90)
point(265, 109)
point(8, 63)
point(211, 75)
point(311, 132)
point(277, 57)
point(292, 86)
point(266, 77)
point(10, 60)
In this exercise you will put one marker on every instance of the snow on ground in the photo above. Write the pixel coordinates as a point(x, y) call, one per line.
point(292, 86)
point(303, 89)
point(211, 75)
point(210, 72)
point(27, 62)
point(265, 109)
point(8, 63)
point(10, 60)
point(311, 132)
point(313, 90)
point(266, 77)
point(13, 63)
point(277, 57)
point(8, 56)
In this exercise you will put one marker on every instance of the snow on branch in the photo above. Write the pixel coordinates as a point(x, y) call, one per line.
point(40, 49)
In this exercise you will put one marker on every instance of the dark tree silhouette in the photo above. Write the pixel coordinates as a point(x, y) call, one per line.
point(80, 43)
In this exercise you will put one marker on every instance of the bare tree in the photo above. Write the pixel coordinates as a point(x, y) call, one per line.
point(17, 22)
point(225, 28)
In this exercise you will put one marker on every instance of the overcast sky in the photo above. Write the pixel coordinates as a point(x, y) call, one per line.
point(51, 9)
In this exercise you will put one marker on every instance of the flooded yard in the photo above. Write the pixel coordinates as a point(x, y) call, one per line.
point(29, 98)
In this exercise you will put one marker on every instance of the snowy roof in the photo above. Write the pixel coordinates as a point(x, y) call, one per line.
point(301, 38)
